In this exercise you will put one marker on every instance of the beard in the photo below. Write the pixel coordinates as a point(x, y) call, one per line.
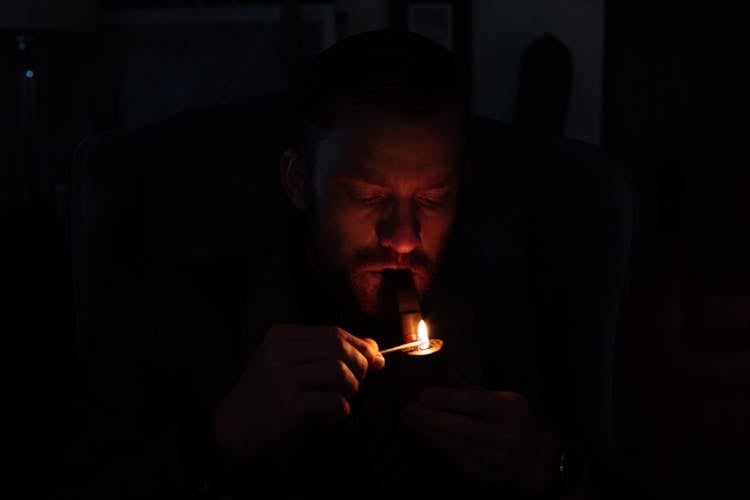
point(356, 278)
point(363, 283)
point(371, 286)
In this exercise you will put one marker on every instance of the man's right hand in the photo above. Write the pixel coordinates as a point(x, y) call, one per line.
point(298, 375)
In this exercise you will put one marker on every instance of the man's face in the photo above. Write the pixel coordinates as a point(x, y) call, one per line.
point(385, 191)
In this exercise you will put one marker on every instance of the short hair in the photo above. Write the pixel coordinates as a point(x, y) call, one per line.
point(386, 70)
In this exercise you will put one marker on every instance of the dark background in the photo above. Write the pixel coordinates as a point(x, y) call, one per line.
point(660, 85)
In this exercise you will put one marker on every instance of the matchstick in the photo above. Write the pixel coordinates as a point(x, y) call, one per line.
point(402, 347)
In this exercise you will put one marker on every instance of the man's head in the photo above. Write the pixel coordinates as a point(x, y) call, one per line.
point(380, 159)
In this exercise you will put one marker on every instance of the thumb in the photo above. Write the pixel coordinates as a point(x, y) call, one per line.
point(374, 358)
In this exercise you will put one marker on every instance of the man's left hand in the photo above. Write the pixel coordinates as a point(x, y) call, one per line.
point(491, 435)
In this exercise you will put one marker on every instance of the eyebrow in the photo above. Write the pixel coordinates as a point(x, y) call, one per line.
point(368, 176)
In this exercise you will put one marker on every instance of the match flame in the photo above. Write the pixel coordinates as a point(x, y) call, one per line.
point(423, 335)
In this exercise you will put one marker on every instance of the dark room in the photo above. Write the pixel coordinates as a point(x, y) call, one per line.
point(376, 248)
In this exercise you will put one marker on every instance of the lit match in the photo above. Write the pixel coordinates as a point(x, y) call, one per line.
point(424, 345)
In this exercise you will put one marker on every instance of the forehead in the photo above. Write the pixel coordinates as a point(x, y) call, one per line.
point(384, 147)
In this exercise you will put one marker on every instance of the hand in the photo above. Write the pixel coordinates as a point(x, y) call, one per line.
point(298, 375)
point(491, 435)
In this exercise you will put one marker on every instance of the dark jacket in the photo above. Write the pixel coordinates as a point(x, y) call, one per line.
point(535, 275)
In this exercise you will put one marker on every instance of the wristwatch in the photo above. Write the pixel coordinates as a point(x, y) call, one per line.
point(571, 469)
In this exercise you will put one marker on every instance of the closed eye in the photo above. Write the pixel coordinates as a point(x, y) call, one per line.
point(366, 196)
point(435, 198)
point(370, 200)
point(430, 202)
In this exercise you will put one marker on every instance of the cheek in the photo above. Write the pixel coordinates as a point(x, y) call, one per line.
point(435, 230)
point(346, 230)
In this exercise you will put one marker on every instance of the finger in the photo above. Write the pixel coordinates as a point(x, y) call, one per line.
point(285, 333)
point(477, 402)
point(370, 350)
point(328, 374)
point(480, 433)
point(320, 406)
point(357, 353)
point(364, 349)
point(478, 459)
point(308, 344)
point(361, 354)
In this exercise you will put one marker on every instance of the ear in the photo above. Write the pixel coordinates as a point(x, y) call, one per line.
point(293, 177)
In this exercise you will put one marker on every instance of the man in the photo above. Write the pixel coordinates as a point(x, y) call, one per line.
point(295, 395)
point(377, 175)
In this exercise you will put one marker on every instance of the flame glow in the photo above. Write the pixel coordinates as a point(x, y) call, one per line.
point(423, 335)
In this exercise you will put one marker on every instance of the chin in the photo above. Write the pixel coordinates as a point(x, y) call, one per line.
point(369, 298)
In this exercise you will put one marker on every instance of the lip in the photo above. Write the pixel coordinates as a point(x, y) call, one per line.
point(379, 269)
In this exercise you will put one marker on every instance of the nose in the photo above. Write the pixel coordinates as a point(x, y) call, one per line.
point(399, 229)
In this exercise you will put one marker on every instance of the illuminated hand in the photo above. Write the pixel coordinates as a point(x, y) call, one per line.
point(298, 375)
point(491, 435)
